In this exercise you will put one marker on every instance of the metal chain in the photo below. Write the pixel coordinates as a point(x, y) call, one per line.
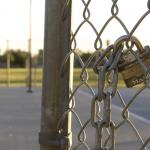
point(106, 67)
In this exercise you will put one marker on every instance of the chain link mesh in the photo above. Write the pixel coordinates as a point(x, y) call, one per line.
point(106, 67)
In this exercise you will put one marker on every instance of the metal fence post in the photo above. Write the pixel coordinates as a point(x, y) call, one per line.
point(55, 91)
point(8, 63)
point(29, 50)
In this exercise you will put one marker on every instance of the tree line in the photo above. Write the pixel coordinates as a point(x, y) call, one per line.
point(19, 58)
point(84, 56)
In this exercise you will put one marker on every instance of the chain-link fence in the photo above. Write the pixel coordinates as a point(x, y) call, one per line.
point(126, 56)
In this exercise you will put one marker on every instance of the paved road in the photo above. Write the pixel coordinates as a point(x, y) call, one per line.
point(20, 120)
point(125, 137)
point(141, 105)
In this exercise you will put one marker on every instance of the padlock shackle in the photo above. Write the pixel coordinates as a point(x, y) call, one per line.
point(126, 38)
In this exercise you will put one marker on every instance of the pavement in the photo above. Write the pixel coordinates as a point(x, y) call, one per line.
point(20, 120)
point(125, 137)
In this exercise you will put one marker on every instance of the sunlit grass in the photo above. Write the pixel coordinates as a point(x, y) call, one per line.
point(92, 78)
point(19, 77)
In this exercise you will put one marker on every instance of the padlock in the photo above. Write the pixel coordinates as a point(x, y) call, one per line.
point(130, 69)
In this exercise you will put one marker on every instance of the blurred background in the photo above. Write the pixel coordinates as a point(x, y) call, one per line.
point(22, 35)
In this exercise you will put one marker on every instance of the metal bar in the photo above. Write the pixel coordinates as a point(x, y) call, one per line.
point(29, 49)
point(55, 92)
point(8, 63)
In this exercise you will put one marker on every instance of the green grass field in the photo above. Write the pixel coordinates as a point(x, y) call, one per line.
point(19, 77)
point(92, 78)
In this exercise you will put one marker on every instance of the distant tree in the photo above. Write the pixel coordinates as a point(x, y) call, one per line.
point(3, 58)
point(20, 58)
point(84, 56)
point(38, 59)
point(17, 58)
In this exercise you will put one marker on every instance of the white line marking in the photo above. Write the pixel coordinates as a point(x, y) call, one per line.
point(119, 108)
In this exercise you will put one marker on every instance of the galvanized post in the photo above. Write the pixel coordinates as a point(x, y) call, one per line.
point(8, 63)
point(29, 69)
point(55, 91)
point(29, 50)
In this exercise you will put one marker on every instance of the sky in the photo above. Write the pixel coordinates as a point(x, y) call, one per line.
point(129, 11)
point(14, 26)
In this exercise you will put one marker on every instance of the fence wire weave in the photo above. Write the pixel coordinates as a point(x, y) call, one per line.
point(106, 66)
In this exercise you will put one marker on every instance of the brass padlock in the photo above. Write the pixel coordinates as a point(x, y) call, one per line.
point(130, 69)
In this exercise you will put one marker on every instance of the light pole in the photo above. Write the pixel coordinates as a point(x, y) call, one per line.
point(29, 50)
point(8, 63)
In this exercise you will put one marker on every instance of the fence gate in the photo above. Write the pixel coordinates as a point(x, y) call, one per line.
point(124, 59)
